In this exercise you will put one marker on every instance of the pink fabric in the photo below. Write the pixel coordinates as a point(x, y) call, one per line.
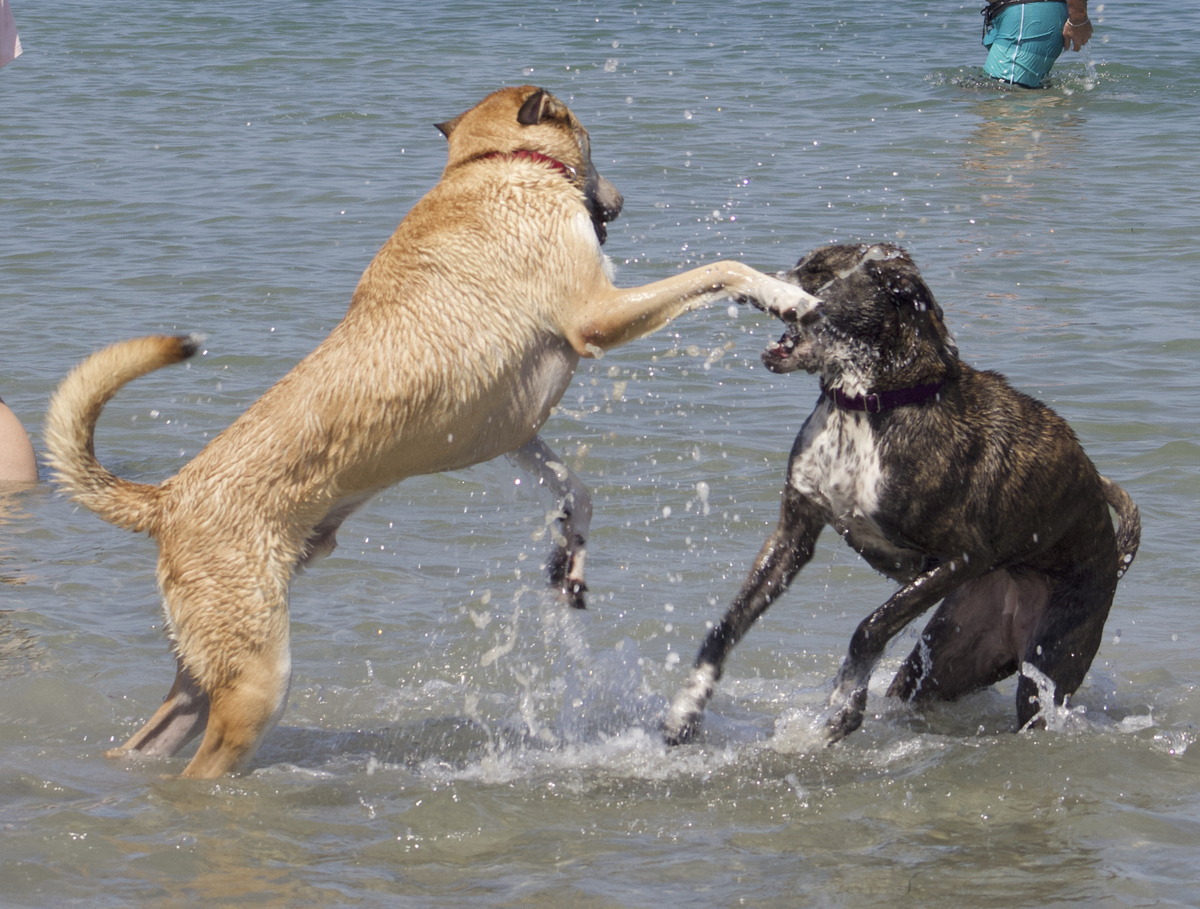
point(10, 42)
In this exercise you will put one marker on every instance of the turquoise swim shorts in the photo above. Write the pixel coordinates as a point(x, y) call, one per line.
point(1024, 41)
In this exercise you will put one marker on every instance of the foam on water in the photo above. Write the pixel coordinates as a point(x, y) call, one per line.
point(577, 714)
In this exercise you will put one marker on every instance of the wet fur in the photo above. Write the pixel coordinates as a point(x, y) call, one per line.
point(461, 336)
point(980, 498)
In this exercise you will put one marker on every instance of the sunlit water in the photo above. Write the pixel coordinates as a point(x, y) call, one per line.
point(453, 738)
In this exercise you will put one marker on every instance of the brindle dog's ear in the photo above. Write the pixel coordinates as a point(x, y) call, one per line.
point(910, 292)
point(448, 126)
point(917, 307)
point(539, 106)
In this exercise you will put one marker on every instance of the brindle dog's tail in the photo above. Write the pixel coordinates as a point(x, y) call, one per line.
point(71, 428)
point(1129, 526)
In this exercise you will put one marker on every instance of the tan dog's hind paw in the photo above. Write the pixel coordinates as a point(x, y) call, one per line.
point(565, 570)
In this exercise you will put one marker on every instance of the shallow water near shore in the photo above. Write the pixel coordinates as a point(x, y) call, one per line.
point(453, 736)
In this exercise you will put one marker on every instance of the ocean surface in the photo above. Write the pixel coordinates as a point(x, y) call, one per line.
point(453, 737)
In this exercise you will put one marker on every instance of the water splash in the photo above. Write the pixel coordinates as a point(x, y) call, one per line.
point(503, 648)
point(1174, 743)
point(926, 660)
point(1089, 66)
point(1058, 718)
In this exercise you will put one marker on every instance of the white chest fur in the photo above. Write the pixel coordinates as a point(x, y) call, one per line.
point(837, 464)
point(585, 236)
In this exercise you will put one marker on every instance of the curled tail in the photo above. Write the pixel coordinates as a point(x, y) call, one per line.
point(1129, 526)
point(71, 428)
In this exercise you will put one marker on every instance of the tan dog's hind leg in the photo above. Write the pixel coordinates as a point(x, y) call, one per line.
point(573, 516)
point(244, 708)
point(234, 719)
point(239, 717)
point(618, 316)
point(232, 639)
point(180, 719)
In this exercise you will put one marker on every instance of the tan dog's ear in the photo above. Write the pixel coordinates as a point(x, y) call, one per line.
point(448, 126)
point(539, 106)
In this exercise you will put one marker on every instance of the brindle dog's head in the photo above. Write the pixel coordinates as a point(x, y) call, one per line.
point(531, 119)
point(877, 326)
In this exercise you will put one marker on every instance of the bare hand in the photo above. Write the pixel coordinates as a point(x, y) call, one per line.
point(1076, 36)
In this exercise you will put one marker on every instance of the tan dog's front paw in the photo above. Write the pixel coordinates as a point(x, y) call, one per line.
point(784, 301)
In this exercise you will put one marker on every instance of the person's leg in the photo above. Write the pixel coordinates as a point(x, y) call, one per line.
point(1024, 42)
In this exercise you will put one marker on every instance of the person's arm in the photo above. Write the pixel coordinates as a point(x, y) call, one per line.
point(1078, 30)
point(17, 461)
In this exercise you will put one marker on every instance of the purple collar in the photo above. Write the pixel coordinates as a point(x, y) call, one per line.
point(878, 402)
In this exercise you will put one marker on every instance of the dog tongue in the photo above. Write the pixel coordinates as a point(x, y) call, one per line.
point(785, 344)
point(783, 356)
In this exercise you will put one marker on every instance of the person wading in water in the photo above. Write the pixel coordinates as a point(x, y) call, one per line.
point(1025, 37)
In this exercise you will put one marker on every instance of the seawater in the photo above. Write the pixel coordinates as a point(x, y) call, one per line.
point(454, 738)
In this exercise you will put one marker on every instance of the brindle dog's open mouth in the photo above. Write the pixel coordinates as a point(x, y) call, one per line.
point(797, 349)
point(791, 352)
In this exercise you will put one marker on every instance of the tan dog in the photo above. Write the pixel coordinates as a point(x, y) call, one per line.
point(462, 335)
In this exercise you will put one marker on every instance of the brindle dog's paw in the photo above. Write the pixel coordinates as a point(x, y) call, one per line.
point(682, 723)
point(680, 732)
point(840, 721)
point(841, 725)
point(687, 710)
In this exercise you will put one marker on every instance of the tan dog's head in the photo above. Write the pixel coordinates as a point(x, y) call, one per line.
point(531, 119)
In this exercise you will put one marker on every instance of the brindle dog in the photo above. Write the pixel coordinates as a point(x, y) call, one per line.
point(947, 480)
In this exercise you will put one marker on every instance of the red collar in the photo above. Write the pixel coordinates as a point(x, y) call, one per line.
point(878, 402)
point(538, 158)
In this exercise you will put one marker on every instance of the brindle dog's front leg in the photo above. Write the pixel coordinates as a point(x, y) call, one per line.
point(846, 704)
point(785, 552)
point(568, 523)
